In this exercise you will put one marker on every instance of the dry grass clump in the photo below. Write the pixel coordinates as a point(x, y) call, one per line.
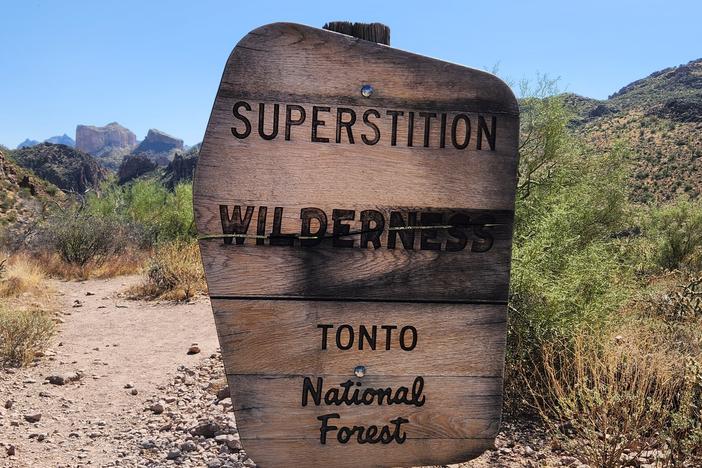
point(22, 334)
point(25, 326)
point(126, 263)
point(174, 273)
point(22, 274)
point(637, 389)
point(601, 402)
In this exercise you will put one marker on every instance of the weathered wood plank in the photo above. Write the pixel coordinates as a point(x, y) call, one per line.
point(416, 452)
point(453, 408)
point(311, 62)
point(356, 274)
point(284, 337)
point(356, 173)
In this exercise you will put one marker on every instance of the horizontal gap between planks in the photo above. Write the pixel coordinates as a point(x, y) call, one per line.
point(353, 299)
point(293, 439)
point(284, 376)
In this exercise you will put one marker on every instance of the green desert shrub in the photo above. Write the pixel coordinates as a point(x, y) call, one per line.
point(567, 271)
point(80, 238)
point(153, 212)
point(674, 233)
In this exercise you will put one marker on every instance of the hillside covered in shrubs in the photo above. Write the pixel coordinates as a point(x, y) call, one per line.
point(660, 119)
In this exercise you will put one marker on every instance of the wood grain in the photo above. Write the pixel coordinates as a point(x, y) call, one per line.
point(282, 337)
point(357, 274)
point(455, 408)
point(416, 452)
point(301, 172)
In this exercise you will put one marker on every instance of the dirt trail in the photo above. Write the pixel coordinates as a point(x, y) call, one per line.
point(113, 342)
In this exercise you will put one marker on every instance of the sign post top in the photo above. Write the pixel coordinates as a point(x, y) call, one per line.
point(374, 32)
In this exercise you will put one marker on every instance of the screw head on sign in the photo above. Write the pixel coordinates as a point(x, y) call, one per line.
point(360, 371)
point(366, 90)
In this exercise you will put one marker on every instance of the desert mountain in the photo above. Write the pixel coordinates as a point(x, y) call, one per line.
point(159, 147)
point(61, 140)
point(660, 119)
point(67, 168)
point(27, 143)
point(58, 139)
point(134, 166)
point(180, 169)
point(109, 143)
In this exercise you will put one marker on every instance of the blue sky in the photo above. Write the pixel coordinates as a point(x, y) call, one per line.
point(157, 64)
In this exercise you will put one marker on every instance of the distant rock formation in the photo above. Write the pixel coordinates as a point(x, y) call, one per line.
point(97, 141)
point(65, 167)
point(61, 140)
point(159, 146)
point(182, 168)
point(134, 166)
point(27, 143)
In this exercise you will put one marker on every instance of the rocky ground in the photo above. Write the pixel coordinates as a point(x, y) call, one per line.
point(123, 385)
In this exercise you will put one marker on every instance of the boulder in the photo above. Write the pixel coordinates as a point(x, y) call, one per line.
point(63, 379)
point(206, 429)
point(32, 417)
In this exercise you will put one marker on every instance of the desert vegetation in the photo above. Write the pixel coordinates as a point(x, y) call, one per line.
point(174, 272)
point(141, 228)
point(605, 306)
point(605, 310)
point(26, 322)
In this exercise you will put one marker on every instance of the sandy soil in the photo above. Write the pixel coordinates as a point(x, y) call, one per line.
point(113, 342)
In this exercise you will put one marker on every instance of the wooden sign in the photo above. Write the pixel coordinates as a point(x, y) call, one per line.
point(355, 206)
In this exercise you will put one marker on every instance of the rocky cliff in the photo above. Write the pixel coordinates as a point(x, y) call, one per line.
point(159, 146)
point(99, 140)
point(65, 167)
point(182, 168)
